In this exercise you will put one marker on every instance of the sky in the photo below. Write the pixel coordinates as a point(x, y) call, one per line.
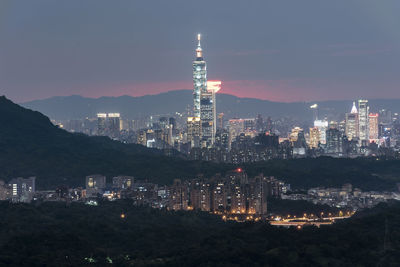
point(277, 50)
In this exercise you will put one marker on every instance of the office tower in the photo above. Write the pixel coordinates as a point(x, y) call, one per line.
point(334, 143)
point(204, 106)
point(352, 129)
point(363, 112)
point(373, 126)
point(314, 137)
point(101, 124)
point(108, 125)
point(193, 131)
point(314, 109)
point(213, 87)
point(22, 189)
point(113, 123)
point(322, 125)
point(199, 78)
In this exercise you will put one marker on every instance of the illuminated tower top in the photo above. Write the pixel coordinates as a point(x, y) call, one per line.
point(354, 108)
point(199, 50)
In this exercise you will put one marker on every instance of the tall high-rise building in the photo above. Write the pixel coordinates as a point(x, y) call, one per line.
point(322, 126)
point(213, 87)
point(203, 99)
point(108, 124)
point(314, 137)
point(373, 126)
point(314, 109)
point(363, 112)
point(352, 128)
point(193, 131)
point(113, 124)
point(199, 78)
point(101, 124)
point(334, 144)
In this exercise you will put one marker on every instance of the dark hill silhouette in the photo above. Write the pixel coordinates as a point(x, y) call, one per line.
point(31, 145)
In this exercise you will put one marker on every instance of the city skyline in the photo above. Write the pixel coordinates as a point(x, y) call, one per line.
point(139, 49)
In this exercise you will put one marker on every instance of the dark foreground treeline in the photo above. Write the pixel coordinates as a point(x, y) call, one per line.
point(53, 234)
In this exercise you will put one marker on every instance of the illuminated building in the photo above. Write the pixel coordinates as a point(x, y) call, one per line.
point(142, 138)
point(95, 184)
point(113, 124)
point(235, 127)
point(108, 125)
point(314, 108)
point(122, 182)
point(314, 137)
point(194, 131)
point(352, 123)
point(219, 197)
point(214, 87)
point(363, 112)
point(200, 195)
point(204, 98)
point(322, 125)
point(199, 78)
point(295, 134)
point(22, 190)
point(101, 124)
point(334, 144)
point(178, 196)
point(373, 126)
point(258, 195)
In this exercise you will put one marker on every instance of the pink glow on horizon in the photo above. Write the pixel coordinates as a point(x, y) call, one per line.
point(294, 90)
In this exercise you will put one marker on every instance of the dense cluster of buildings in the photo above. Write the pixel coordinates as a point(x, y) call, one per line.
point(234, 193)
point(345, 197)
point(203, 134)
point(18, 189)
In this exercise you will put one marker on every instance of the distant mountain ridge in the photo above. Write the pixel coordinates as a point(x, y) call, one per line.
point(78, 107)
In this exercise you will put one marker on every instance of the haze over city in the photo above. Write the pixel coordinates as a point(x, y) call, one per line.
point(282, 51)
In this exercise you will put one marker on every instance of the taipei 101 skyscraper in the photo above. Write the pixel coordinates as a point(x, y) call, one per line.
point(199, 78)
point(203, 99)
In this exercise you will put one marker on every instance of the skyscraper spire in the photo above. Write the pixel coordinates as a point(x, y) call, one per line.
point(199, 51)
point(354, 108)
